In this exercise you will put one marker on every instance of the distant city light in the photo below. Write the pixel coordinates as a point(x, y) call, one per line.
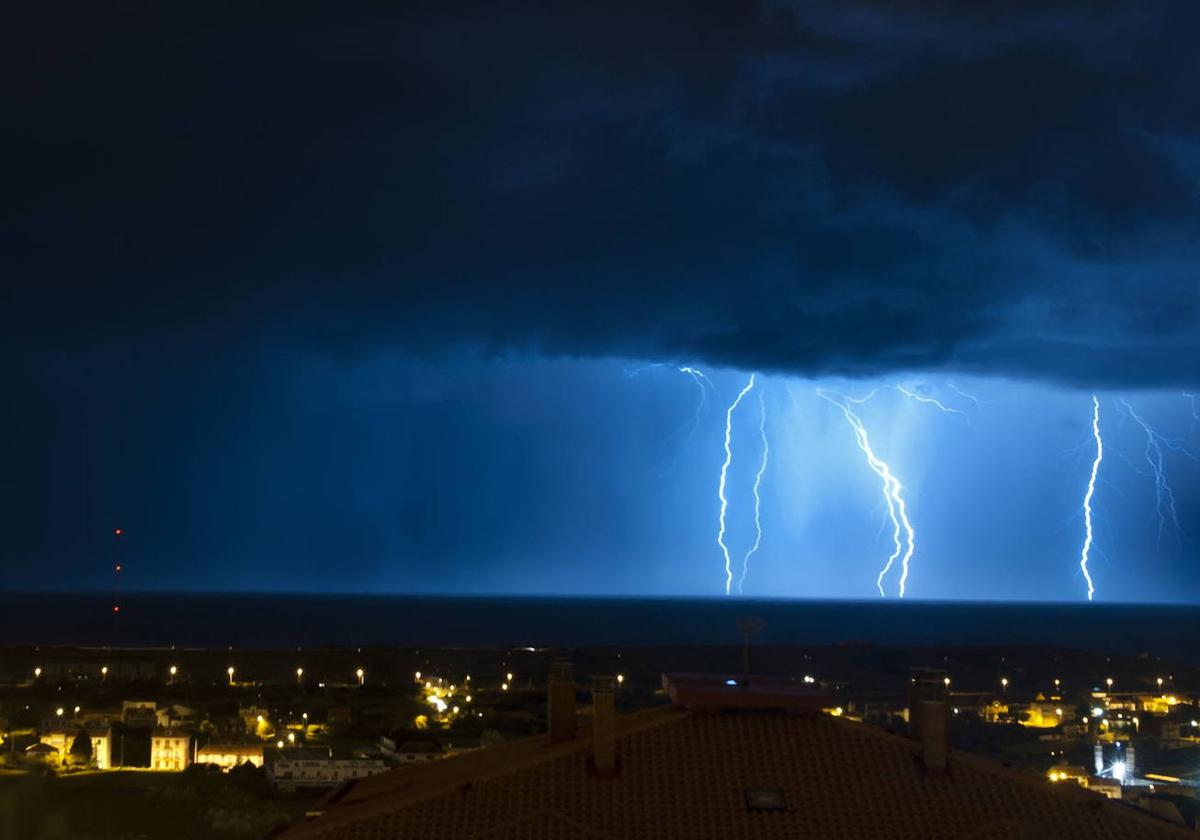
point(1097, 712)
point(59, 711)
point(1109, 682)
point(417, 676)
point(279, 744)
point(946, 680)
point(508, 676)
point(504, 686)
point(730, 682)
point(808, 679)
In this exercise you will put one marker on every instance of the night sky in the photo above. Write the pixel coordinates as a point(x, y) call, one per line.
point(395, 297)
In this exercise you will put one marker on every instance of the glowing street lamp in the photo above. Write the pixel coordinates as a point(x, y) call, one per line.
point(946, 681)
point(59, 711)
point(37, 672)
point(1057, 682)
point(508, 676)
point(361, 674)
point(173, 671)
point(299, 675)
point(104, 671)
point(291, 737)
point(417, 676)
point(1159, 681)
point(504, 686)
point(1004, 683)
point(229, 671)
point(1109, 681)
point(620, 679)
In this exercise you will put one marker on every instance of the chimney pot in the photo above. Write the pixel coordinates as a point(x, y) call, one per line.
point(929, 718)
point(560, 701)
point(604, 725)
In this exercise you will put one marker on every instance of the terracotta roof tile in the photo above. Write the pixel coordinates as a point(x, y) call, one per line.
point(685, 775)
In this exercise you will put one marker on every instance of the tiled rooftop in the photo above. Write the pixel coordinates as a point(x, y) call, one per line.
point(685, 774)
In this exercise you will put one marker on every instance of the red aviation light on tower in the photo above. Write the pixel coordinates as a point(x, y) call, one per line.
point(118, 532)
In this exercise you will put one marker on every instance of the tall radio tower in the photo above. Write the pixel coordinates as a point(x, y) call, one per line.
point(118, 567)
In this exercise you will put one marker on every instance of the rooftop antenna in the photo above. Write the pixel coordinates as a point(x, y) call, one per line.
point(749, 626)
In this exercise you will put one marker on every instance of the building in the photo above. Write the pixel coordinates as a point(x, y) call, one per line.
point(409, 752)
point(228, 756)
point(294, 768)
point(101, 738)
point(170, 749)
point(139, 714)
point(1045, 713)
point(730, 758)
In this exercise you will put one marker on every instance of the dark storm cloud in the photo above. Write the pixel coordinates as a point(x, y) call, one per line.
point(818, 187)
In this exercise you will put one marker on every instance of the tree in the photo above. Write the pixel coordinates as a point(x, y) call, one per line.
point(81, 748)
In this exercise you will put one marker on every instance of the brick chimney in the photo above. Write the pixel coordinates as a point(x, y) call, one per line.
point(604, 726)
point(560, 701)
point(929, 718)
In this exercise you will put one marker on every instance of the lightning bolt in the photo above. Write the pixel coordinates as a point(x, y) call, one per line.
point(1087, 498)
point(938, 404)
point(1192, 398)
point(964, 394)
point(892, 496)
point(1164, 495)
point(724, 474)
point(703, 383)
point(762, 468)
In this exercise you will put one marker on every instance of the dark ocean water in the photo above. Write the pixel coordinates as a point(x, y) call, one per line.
point(278, 621)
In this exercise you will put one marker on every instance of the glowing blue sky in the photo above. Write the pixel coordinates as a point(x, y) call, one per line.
point(593, 477)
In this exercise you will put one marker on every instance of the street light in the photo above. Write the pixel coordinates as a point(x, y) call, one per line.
point(229, 671)
point(299, 675)
point(59, 711)
point(37, 672)
point(361, 674)
point(1004, 683)
point(947, 682)
point(174, 670)
point(620, 679)
point(104, 671)
point(1108, 681)
point(1159, 683)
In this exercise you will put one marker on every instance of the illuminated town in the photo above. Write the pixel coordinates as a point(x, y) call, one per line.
point(277, 738)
